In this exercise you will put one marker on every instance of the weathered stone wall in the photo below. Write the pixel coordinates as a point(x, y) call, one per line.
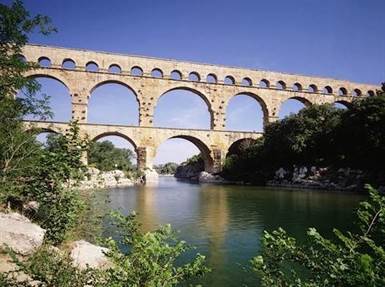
point(224, 83)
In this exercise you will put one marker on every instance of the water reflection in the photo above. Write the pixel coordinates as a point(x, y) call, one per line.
point(226, 222)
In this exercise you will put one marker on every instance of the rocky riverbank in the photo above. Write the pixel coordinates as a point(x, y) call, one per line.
point(342, 179)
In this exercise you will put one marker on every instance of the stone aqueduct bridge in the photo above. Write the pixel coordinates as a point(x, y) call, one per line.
point(150, 78)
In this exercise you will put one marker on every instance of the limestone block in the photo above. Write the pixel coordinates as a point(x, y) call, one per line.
point(19, 233)
point(86, 254)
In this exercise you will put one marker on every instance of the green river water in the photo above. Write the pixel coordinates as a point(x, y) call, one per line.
point(225, 222)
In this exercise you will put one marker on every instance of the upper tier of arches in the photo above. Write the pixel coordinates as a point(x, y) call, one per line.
point(172, 70)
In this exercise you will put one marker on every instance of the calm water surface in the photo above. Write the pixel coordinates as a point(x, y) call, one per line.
point(226, 222)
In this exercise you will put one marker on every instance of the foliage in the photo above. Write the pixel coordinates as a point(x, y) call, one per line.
point(319, 135)
point(151, 257)
point(354, 259)
point(150, 261)
point(57, 169)
point(105, 156)
point(51, 268)
point(18, 149)
point(167, 168)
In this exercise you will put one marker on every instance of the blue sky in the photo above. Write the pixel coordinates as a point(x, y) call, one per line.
point(337, 38)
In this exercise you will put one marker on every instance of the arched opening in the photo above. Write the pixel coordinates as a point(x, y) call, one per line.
point(292, 106)
point(229, 80)
point(92, 67)
point(113, 103)
point(183, 108)
point(343, 105)
point(264, 83)
point(328, 90)
point(246, 82)
point(114, 69)
point(136, 71)
point(246, 112)
point(212, 79)
point(68, 64)
point(182, 149)
point(356, 93)
point(297, 87)
point(342, 91)
point(313, 88)
point(281, 85)
point(111, 151)
point(194, 76)
point(157, 73)
point(58, 95)
point(240, 145)
point(176, 75)
point(44, 62)
point(371, 93)
point(45, 137)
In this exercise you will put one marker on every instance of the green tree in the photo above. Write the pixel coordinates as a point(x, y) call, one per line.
point(105, 156)
point(18, 150)
point(354, 259)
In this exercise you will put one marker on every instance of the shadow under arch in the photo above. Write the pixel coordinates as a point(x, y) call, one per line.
point(194, 91)
point(260, 101)
point(202, 147)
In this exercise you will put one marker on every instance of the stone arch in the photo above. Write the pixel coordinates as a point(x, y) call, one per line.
point(50, 75)
point(229, 80)
point(44, 62)
point(115, 82)
point(194, 77)
point(313, 88)
point(260, 101)
point(357, 93)
point(114, 69)
point(342, 91)
point(264, 83)
point(176, 75)
point(237, 145)
point(346, 104)
point(157, 73)
point(136, 71)
point(115, 133)
point(203, 148)
point(288, 104)
point(120, 135)
point(371, 93)
point(121, 99)
point(196, 92)
point(328, 90)
point(68, 64)
point(92, 66)
point(280, 85)
point(211, 78)
point(247, 82)
point(297, 87)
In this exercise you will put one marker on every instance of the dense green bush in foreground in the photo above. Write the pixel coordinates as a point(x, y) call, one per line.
point(354, 259)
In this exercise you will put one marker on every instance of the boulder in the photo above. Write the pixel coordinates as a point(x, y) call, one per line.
point(205, 177)
point(85, 254)
point(19, 233)
point(151, 177)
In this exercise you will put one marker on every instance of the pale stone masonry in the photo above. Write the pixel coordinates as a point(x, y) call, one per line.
point(150, 78)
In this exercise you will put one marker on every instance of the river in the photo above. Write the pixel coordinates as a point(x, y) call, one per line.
point(225, 222)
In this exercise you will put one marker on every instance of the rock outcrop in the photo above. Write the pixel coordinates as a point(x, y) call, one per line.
point(19, 233)
point(108, 179)
point(205, 177)
point(85, 254)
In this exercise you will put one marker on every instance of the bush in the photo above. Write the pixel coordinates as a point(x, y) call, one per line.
point(355, 259)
